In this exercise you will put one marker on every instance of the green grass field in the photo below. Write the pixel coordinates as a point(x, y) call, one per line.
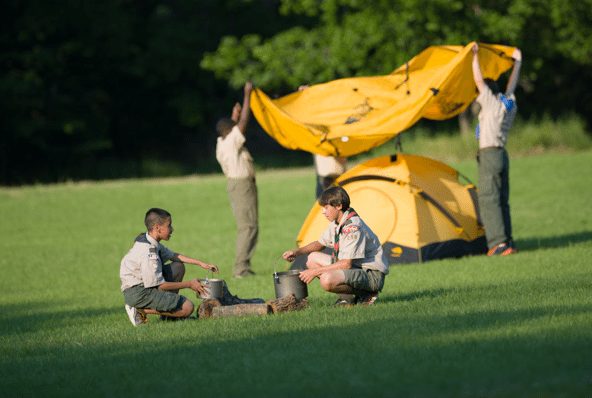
point(518, 326)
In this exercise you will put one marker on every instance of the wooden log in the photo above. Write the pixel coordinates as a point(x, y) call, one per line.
point(239, 310)
point(287, 303)
point(206, 307)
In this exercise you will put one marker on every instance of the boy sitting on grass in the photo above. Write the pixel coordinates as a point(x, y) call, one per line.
point(149, 285)
point(357, 265)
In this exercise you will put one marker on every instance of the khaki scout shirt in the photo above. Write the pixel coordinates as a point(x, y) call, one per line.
point(233, 156)
point(329, 166)
point(358, 243)
point(143, 263)
point(494, 120)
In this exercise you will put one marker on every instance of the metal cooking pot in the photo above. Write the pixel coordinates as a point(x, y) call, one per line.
point(214, 288)
point(287, 283)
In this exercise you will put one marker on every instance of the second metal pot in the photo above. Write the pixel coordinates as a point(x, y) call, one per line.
point(287, 283)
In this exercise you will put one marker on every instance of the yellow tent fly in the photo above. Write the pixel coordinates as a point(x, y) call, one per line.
point(349, 116)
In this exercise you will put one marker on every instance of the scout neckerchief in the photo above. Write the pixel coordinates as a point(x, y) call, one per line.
point(349, 213)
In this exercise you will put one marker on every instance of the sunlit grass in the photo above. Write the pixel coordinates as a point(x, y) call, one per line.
point(476, 326)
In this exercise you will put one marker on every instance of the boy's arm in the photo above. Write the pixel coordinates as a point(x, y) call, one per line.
point(291, 255)
point(189, 260)
point(246, 108)
point(513, 80)
point(477, 76)
point(236, 111)
point(192, 284)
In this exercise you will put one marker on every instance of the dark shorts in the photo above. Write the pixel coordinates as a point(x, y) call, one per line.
point(364, 279)
point(140, 297)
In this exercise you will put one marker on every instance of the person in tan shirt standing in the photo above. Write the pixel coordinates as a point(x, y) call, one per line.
point(496, 116)
point(237, 165)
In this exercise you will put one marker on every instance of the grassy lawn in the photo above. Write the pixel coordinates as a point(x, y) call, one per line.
point(474, 327)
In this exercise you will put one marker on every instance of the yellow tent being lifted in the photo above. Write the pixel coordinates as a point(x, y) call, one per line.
point(350, 116)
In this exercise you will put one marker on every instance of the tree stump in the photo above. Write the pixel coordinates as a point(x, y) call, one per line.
point(288, 303)
point(239, 310)
point(206, 307)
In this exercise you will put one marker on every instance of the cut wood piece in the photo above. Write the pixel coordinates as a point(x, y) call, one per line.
point(287, 303)
point(239, 310)
point(205, 308)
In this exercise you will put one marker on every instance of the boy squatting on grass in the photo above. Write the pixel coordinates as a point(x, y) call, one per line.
point(149, 285)
point(357, 265)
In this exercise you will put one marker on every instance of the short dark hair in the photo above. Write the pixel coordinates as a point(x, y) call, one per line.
point(156, 216)
point(493, 86)
point(224, 126)
point(335, 196)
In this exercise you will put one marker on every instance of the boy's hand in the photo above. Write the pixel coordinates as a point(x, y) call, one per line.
point(475, 48)
point(210, 267)
point(289, 255)
point(517, 55)
point(308, 275)
point(197, 287)
point(248, 87)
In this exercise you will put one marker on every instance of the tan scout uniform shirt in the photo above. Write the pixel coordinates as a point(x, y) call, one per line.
point(329, 166)
point(494, 120)
point(358, 243)
point(143, 263)
point(233, 156)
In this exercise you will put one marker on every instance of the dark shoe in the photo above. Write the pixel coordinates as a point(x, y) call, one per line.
point(244, 274)
point(502, 249)
point(345, 300)
point(367, 298)
point(229, 299)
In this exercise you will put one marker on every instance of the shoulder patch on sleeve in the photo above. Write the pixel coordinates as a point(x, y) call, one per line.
point(349, 229)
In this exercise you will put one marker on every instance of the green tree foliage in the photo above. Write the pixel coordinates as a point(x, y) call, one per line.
point(346, 38)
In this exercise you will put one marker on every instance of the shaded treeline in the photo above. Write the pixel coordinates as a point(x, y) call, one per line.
point(99, 89)
point(123, 88)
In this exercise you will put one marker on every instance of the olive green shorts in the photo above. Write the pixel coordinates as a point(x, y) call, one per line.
point(364, 279)
point(140, 297)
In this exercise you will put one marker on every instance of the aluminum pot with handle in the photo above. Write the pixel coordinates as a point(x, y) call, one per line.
point(287, 283)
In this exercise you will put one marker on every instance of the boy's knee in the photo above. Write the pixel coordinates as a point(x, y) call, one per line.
point(327, 282)
point(186, 309)
point(316, 259)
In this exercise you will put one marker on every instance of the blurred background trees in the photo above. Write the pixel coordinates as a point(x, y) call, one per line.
point(119, 88)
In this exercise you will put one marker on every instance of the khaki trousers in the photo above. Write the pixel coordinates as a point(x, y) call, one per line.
point(242, 193)
point(494, 195)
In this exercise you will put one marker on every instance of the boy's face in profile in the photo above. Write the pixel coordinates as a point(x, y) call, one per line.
point(332, 213)
point(164, 231)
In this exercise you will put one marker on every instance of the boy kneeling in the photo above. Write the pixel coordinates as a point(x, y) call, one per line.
point(149, 285)
point(357, 265)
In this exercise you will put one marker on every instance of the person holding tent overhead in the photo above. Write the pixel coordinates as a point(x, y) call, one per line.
point(237, 165)
point(496, 116)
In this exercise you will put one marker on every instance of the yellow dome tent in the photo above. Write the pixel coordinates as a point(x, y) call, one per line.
point(349, 116)
point(417, 207)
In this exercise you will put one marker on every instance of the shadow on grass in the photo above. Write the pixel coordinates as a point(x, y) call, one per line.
point(38, 315)
point(423, 294)
point(384, 354)
point(535, 243)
